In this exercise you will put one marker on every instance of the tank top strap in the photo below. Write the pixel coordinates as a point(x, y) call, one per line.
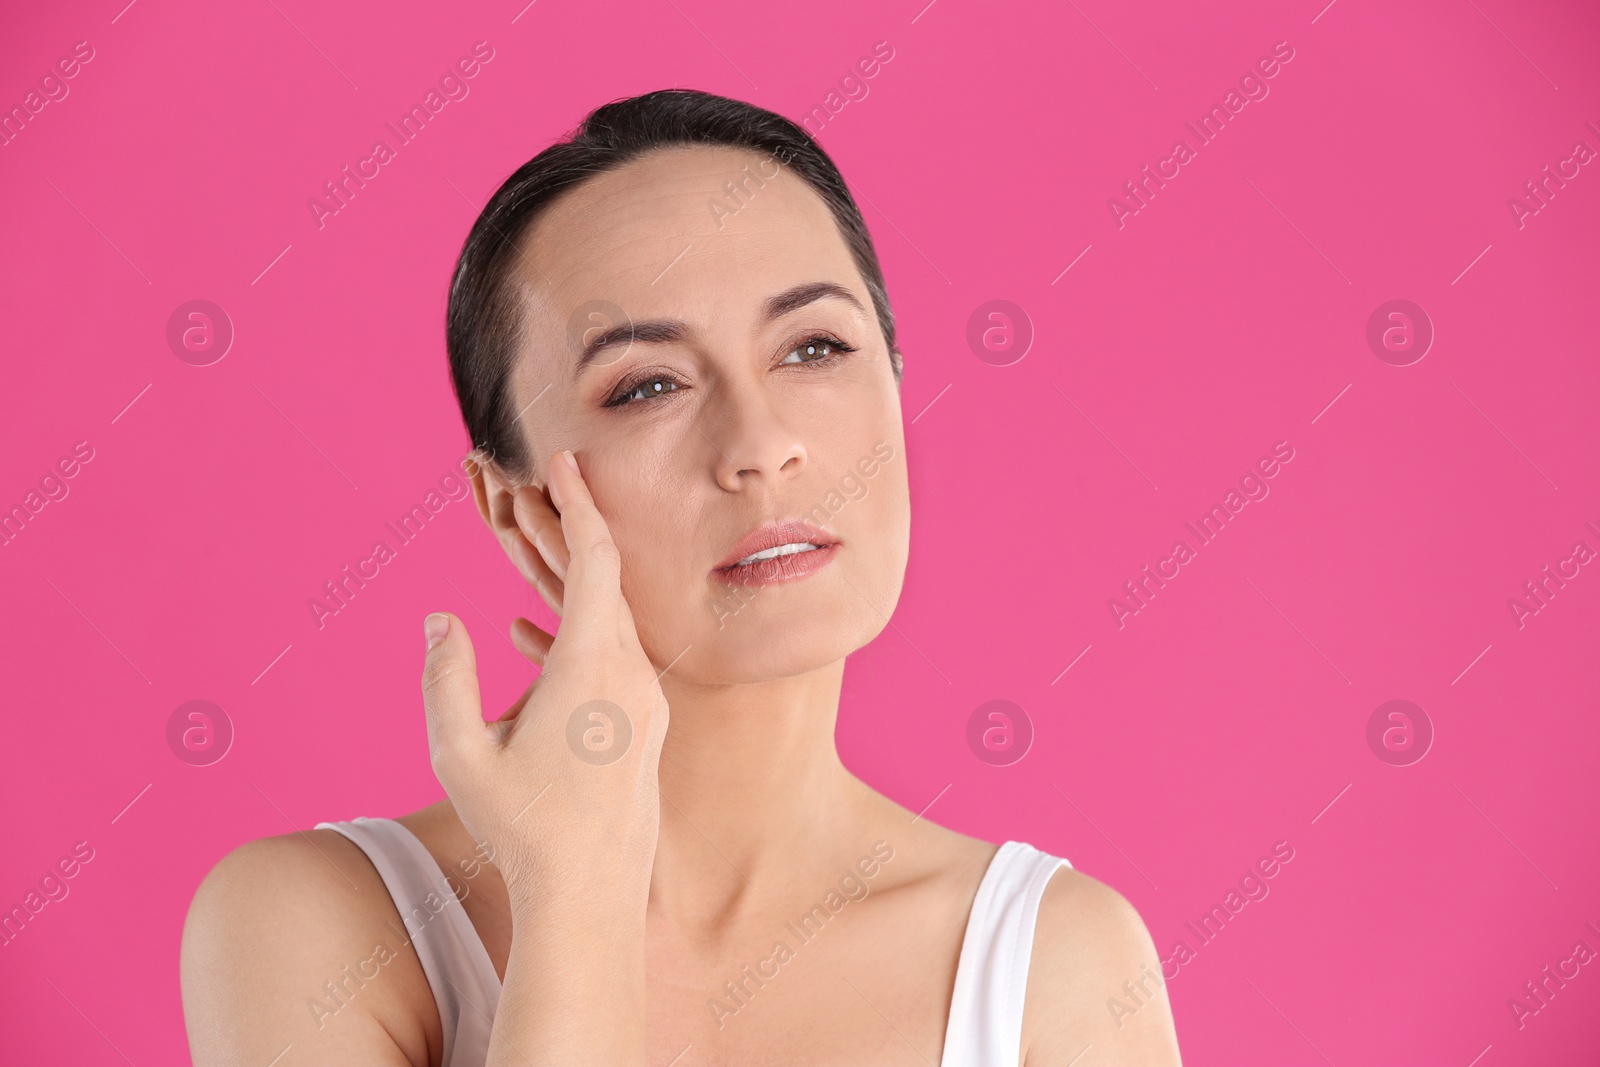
point(457, 966)
point(985, 1026)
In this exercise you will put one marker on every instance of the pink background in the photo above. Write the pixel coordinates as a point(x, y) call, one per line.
point(1226, 315)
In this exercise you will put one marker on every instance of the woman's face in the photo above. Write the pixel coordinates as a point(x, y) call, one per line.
point(734, 404)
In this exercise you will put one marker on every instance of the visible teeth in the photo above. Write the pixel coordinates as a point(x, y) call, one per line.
point(774, 553)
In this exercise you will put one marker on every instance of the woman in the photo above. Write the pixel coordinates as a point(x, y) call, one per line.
point(672, 347)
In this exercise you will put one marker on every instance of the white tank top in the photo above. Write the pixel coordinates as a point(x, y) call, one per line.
point(985, 1024)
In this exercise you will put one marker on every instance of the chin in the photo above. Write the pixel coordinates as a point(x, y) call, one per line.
point(775, 634)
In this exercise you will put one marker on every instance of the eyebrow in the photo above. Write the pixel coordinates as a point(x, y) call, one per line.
point(671, 331)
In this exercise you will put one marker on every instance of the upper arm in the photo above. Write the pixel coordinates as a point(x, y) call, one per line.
point(280, 958)
point(1095, 981)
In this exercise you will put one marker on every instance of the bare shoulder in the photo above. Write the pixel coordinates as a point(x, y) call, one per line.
point(934, 854)
point(294, 942)
point(1095, 980)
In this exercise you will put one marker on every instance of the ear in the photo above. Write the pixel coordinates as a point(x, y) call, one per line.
point(496, 493)
point(489, 485)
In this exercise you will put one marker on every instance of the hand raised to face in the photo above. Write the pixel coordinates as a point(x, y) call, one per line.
point(575, 760)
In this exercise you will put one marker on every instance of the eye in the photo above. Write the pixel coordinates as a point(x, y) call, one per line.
point(819, 349)
point(643, 388)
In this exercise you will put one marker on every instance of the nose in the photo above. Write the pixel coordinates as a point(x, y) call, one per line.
point(752, 438)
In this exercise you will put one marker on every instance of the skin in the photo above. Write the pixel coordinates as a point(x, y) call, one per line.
point(757, 816)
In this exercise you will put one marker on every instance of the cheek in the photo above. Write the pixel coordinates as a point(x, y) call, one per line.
point(661, 613)
point(888, 526)
point(668, 615)
point(660, 560)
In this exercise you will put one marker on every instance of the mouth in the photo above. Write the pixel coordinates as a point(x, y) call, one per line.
point(778, 551)
point(790, 549)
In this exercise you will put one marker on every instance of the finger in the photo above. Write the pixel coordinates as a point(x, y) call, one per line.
point(450, 690)
point(540, 524)
point(500, 730)
point(533, 642)
point(535, 522)
point(537, 573)
point(592, 589)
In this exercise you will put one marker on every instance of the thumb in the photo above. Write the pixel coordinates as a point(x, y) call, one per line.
point(450, 692)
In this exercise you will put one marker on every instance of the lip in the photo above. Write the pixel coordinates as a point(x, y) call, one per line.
point(781, 568)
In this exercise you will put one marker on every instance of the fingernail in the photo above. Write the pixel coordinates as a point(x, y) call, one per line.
point(434, 627)
point(572, 461)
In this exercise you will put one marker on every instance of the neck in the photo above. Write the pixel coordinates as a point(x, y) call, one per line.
point(753, 793)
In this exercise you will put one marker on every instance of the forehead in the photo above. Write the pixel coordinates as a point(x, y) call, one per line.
point(703, 234)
